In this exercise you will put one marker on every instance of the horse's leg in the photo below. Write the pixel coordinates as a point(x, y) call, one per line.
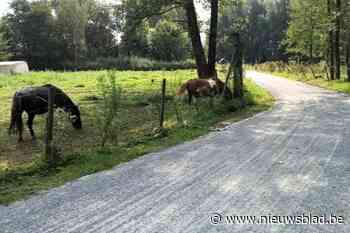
point(30, 125)
point(20, 127)
point(190, 98)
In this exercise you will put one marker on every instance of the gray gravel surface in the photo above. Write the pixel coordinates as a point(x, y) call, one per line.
point(292, 160)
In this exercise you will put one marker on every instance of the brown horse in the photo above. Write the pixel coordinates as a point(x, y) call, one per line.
point(203, 88)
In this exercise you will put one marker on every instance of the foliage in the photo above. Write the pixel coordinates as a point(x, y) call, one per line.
point(262, 25)
point(100, 33)
point(14, 26)
point(134, 41)
point(54, 34)
point(74, 35)
point(72, 26)
point(168, 42)
point(314, 71)
point(37, 35)
point(107, 109)
point(4, 55)
point(135, 63)
point(308, 28)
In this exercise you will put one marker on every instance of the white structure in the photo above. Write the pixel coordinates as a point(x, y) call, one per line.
point(13, 67)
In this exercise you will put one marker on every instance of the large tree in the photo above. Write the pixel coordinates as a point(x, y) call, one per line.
point(100, 32)
point(134, 13)
point(72, 20)
point(205, 67)
point(307, 32)
point(213, 36)
point(14, 26)
point(197, 46)
point(37, 35)
point(29, 30)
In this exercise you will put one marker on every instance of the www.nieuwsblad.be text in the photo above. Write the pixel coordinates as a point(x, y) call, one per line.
point(304, 219)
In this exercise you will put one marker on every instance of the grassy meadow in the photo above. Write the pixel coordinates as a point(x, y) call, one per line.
point(22, 172)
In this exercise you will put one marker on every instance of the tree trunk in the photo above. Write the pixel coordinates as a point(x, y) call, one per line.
point(331, 55)
point(193, 29)
point(213, 36)
point(337, 41)
point(237, 66)
point(286, 15)
point(330, 44)
point(311, 50)
point(311, 46)
point(348, 59)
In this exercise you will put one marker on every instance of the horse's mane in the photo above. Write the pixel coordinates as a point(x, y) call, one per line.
point(61, 99)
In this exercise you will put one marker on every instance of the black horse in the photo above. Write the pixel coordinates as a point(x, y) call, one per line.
point(34, 101)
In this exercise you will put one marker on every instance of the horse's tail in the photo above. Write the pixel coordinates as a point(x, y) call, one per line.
point(15, 110)
point(182, 89)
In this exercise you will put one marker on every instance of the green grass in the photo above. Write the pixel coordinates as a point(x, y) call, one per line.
point(307, 77)
point(23, 173)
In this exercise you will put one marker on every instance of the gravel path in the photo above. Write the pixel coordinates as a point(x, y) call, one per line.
point(290, 161)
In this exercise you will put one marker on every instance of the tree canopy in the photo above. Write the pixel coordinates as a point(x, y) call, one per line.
point(65, 33)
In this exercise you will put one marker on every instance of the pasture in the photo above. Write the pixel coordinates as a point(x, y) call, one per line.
point(22, 173)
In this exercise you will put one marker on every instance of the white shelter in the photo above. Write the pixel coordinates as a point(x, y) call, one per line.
point(14, 67)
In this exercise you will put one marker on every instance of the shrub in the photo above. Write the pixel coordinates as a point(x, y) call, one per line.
point(136, 63)
point(107, 109)
point(304, 71)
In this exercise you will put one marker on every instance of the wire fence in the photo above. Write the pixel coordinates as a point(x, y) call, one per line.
point(140, 116)
point(137, 111)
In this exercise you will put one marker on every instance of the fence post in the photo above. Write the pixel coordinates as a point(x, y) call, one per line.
point(162, 106)
point(49, 153)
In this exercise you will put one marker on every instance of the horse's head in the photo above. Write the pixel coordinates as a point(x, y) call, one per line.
point(74, 116)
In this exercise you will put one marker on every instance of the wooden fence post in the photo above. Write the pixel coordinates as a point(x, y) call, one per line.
point(49, 150)
point(162, 106)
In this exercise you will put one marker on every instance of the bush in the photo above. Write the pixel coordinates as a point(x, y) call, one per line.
point(305, 71)
point(135, 63)
point(107, 110)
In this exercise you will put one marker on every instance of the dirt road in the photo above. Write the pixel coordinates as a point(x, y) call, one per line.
point(292, 162)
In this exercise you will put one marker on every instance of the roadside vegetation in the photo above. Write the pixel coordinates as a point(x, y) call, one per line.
point(316, 74)
point(22, 172)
